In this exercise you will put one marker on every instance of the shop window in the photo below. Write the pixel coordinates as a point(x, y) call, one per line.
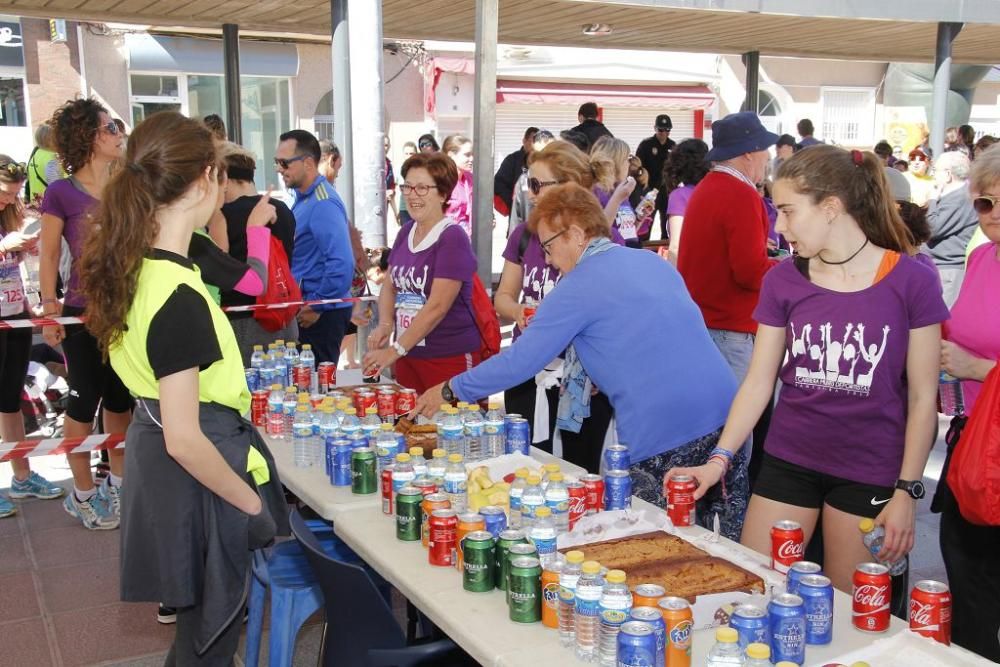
point(151, 93)
point(12, 112)
point(848, 116)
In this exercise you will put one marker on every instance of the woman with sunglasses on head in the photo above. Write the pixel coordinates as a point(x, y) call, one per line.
point(970, 352)
point(459, 150)
point(669, 407)
point(15, 344)
point(609, 162)
point(919, 176)
point(90, 144)
point(426, 303)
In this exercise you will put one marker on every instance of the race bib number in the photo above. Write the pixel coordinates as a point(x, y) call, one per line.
point(626, 222)
point(11, 289)
point(407, 308)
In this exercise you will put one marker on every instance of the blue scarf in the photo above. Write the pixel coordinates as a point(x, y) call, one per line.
point(576, 388)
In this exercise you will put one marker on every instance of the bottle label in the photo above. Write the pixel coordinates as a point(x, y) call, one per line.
point(588, 603)
point(558, 506)
point(545, 545)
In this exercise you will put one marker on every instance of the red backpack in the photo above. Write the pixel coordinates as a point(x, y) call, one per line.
point(486, 319)
point(281, 288)
point(973, 472)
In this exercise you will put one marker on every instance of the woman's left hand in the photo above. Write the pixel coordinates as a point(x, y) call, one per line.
point(957, 362)
point(898, 518)
point(378, 359)
point(429, 401)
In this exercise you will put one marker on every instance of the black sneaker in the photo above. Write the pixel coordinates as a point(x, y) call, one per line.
point(166, 615)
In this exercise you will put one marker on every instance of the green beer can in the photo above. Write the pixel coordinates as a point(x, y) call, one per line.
point(363, 471)
point(478, 565)
point(517, 551)
point(408, 514)
point(525, 590)
point(505, 541)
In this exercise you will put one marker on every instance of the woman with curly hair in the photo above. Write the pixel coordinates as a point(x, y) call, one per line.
point(89, 144)
point(684, 169)
point(202, 488)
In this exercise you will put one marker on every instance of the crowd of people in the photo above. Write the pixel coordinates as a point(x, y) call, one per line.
point(891, 282)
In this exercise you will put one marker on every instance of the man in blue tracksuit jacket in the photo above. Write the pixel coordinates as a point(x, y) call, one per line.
point(322, 261)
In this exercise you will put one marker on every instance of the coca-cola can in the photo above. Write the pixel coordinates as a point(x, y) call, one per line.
point(593, 487)
point(787, 545)
point(258, 408)
point(930, 610)
point(680, 500)
point(387, 492)
point(577, 501)
point(326, 376)
point(365, 400)
point(387, 405)
point(406, 401)
point(872, 597)
point(302, 377)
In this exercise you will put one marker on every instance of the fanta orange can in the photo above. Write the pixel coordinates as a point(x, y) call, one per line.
point(550, 594)
point(679, 619)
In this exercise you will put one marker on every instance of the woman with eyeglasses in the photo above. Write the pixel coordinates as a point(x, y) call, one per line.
point(90, 144)
point(459, 149)
point(970, 352)
point(609, 160)
point(668, 407)
point(426, 304)
point(15, 344)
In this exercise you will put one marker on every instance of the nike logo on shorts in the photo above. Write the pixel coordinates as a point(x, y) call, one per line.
point(879, 502)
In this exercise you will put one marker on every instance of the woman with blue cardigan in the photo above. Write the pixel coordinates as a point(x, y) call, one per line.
point(670, 406)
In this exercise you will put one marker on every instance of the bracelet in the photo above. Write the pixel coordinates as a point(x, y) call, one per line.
point(45, 301)
point(721, 460)
point(719, 451)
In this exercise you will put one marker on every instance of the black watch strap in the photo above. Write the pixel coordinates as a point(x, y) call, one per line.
point(915, 488)
point(446, 393)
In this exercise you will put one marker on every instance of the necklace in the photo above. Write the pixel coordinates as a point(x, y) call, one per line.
point(856, 253)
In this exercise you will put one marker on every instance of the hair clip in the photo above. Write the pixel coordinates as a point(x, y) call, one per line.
point(857, 157)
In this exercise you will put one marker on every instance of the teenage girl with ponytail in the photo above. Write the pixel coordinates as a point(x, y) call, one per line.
point(851, 326)
point(203, 491)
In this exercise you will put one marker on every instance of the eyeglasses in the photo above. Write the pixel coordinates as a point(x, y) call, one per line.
point(420, 188)
point(984, 204)
point(536, 185)
point(546, 244)
point(16, 170)
point(283, 163)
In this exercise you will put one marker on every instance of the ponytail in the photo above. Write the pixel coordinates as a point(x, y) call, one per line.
point(606, 155)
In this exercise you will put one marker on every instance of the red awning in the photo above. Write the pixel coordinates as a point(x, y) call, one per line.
point(575, 94)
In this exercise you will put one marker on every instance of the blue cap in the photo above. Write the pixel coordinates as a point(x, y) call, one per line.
point(739, 133)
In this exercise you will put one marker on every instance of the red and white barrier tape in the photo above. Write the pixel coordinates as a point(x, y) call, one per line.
point(30, 448)
point(52, 321)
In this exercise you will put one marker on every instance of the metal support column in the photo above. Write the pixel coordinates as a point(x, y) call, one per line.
point(751, 60)
point(484, 122)
point(231, 60)
point(946, 34)
point(367, 128)
point(341, 57)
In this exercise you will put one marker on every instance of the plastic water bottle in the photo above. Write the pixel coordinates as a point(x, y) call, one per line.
point(290, 403)
point(557, 500)
point(350, 424)
point(452, 438)
point(616, 602)
point(328, 425)
point(308, 359)
point(455, 481)
point(257, 357)
point(276, 412)
point(726, 652)
point(371, 424)
point(473, 422)
point(587, 607)
point(543, 535)
point(531, 500)
point(494, 438)
point(951, 396)
point(302, 439)
point(873, 536)
point(547, 470)
point(291, 359)
point(419, 462)
point(439, 417)
point(386, 447)
point(437, 466)
point(758, 655)
point(402, 473)
point(567, 597)
point(280, 367)
point(516, 493)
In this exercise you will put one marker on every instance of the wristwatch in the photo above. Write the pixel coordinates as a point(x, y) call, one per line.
point(915, 489)
point(400, 350)
point(446, 393)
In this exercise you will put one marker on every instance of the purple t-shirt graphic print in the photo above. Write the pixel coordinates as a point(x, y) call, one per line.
point(843, 400)
point(538, 276)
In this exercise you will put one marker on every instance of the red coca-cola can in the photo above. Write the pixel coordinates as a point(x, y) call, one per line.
point(930, 610)
point(364, 401)
point(326, 376)
point(680, 500)
point(872, 595)
point(441, 541)
point(387, 495)
point(302, 377)
point(258, 408)
point(787, 545)
point(593, 486)
point(426, 486)
point(577, 501)
point(387, 405)
point(406, 401)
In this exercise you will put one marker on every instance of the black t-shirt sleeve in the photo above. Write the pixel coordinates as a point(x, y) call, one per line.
point(181, 335)
point(217, 267)
point(284, 227)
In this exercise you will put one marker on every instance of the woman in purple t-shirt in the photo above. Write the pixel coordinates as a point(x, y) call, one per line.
point(90, 143)
point(427, 300)
point(684, 169)
point(459, 149)
point(609, 164)
point(857, 321)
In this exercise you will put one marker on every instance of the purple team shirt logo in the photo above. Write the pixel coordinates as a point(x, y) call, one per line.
point(830, 362)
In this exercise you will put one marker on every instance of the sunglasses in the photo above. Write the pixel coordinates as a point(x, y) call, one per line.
point(421, 189)
point(283, 163)
point(984, 204)
point(546, 244)
point(536, 185)
point(110, 127)
point(16, 170)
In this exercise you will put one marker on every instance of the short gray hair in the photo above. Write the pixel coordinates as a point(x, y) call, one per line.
point(956, 162)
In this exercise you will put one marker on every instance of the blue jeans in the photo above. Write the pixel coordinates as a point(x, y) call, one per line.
point(326, 334)
point(736, 348)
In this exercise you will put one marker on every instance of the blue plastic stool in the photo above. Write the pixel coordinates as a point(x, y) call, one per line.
point(295, 594)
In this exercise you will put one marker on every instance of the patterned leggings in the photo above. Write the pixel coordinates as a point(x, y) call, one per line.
point(647, 483)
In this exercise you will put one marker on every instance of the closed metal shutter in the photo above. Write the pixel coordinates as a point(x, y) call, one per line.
point(633, 125)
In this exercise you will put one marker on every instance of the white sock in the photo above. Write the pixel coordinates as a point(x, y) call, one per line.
point(84, 496)
point(115, 480)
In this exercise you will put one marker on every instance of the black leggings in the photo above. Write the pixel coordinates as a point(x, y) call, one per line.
point(91, 379)
point(15, 352)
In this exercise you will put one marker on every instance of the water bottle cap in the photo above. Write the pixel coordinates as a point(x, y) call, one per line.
point(439, 453)
point(351, 411)
point(385, 427)
point(403, 458)
point(727, 635)
point(292, 390)
point(521, 473)
point(616, 576)
point(258, 348)
point(290, 345)
point(866, 525)
point(574, 556)
point(328, 409)
point(275, 387)
point(371, 411)
point(591, 567)
point(444, 407)
point(462, 405)
point(416, 451)
point(280, 342)
point(307, 346)
point(534, 480)
point(455, 458)
point(303, 396)
point(267, 357)
point(543, 511)
point(302, 408)
point(494, 406)
point(556, 477)
point(551, 467)
point(758, 651)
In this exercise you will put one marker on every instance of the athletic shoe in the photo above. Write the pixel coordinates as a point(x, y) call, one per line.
point(166, 615)
point(112, 496)
point(6, 508)
point(94, 513)
point(34, 485)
